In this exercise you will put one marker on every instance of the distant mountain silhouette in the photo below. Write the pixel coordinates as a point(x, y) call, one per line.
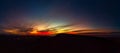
point(61, 43)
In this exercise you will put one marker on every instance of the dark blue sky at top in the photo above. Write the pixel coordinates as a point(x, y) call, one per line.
point(104, 12)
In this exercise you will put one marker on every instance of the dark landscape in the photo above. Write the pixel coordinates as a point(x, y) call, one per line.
point(61, 43)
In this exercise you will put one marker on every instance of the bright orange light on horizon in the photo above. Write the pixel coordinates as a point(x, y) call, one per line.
point(42, 33)
point(45, 30)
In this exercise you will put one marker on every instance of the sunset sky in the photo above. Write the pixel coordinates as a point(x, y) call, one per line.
point(82, 14)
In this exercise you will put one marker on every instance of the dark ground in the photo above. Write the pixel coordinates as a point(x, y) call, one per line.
point(62, 43)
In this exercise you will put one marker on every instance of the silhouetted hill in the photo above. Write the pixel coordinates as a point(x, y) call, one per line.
point(62, 43)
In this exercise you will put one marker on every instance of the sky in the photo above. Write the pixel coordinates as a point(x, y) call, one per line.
point(86, 13)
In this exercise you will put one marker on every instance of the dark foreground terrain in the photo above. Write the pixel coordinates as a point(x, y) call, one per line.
point(62, 43)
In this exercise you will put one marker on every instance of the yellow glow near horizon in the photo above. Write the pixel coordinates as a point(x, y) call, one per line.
point(12, 31)
point(57, 28)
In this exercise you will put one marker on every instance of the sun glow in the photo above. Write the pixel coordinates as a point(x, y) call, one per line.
point(45, 30)
point(57, 29)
